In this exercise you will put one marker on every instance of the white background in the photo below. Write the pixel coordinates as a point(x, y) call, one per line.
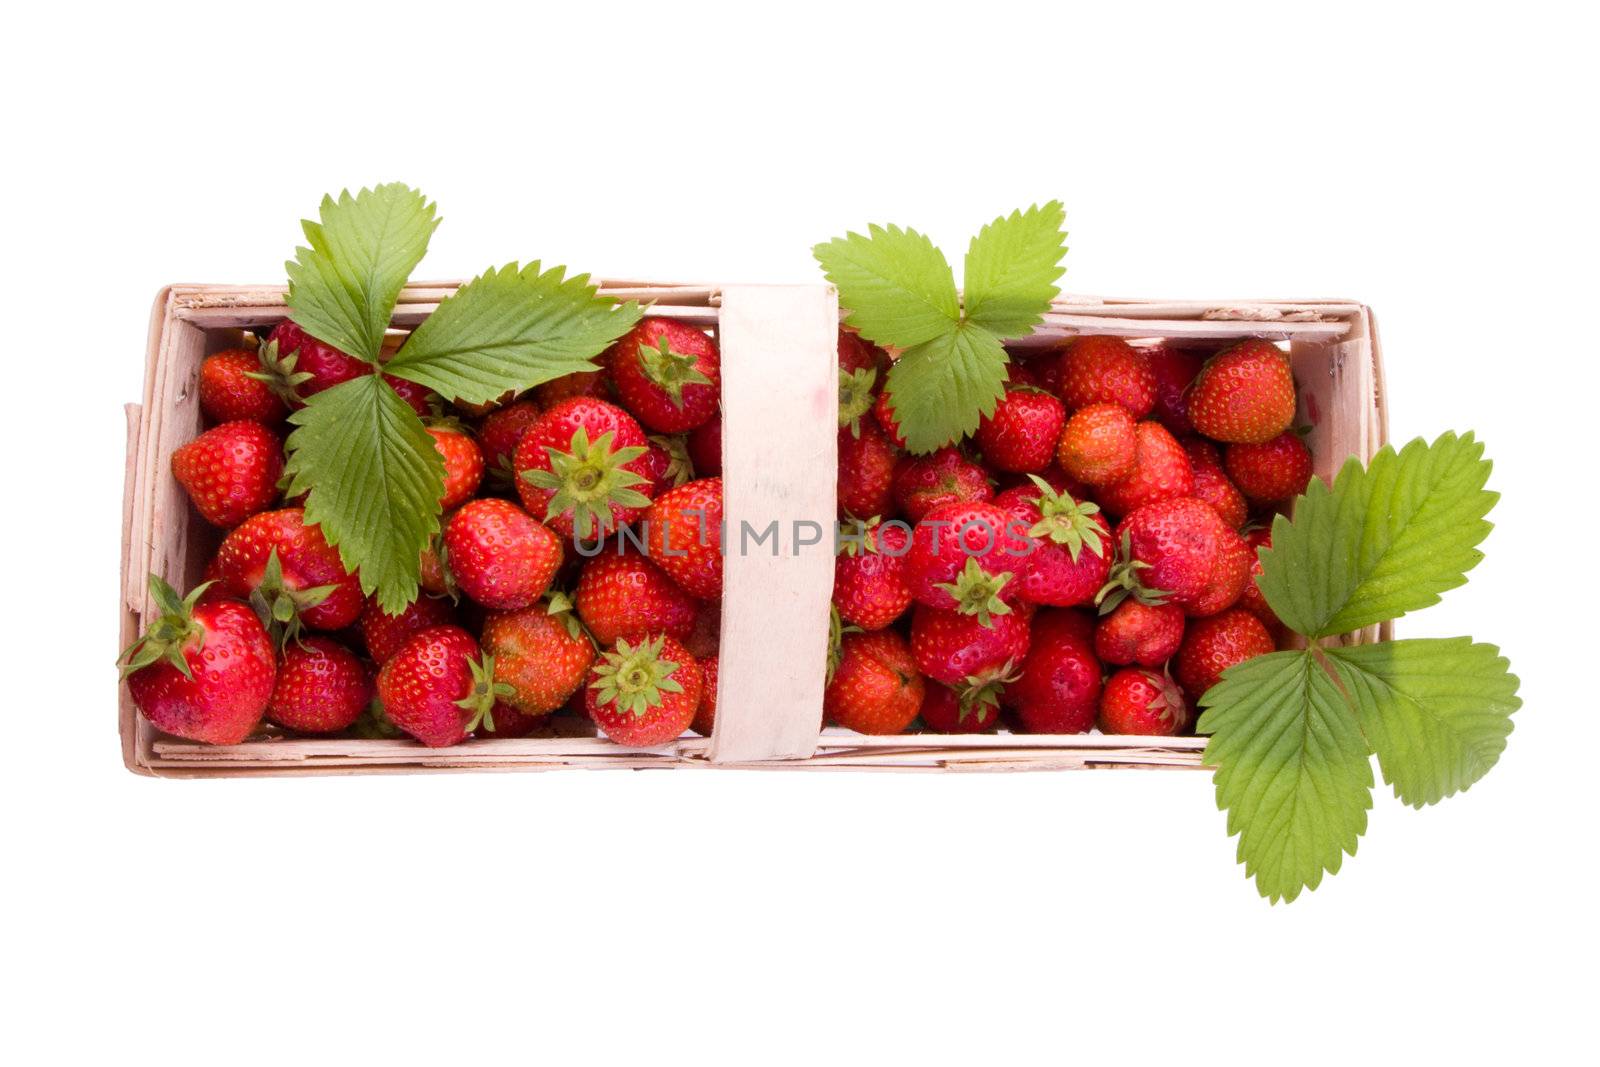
point(1434, 165)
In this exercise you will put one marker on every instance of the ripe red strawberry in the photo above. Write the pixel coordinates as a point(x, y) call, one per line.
point(231, 471)
point(1214, 644)
point(1099, 444)
point(383, 633)
point(581, 468)
point(869, 582)
point(1022, 433)
point(866, 472)
point(420, 398)
point(498, 555)
point(1106, 370)
point(540, 652)
point(1170, 548)
point(922, 483)
point(1243, 394)
point(1252, 599)
point(705, 716)
point(876, 688)
point(1161, 471)
point(202, 670)
point(230, 389)
point(705, 447)
point(1213, 486)
point(951, 647)
point(1058, 681)
point(321, 688)
point(1037, 366)
point(971, 558)
point(1137, 701)
point(590, 383)
point(1229, 575)
point(666, 464)
point(668, 374)
point(436, 687)
point(685, 532)
point(504, 721)
point(1072, 547)
point(1271, 472)
point(463, 465)
point(1146, 634)
point(883, 412)
point(432, 575)
point(705, 637)
point(1173, 369)
point(499, 434)
point(859, 371)
point(623, 594)
point(288, 571)
point(1202, 452)
point(297, 365)
point(644, 694)
point(946, 711)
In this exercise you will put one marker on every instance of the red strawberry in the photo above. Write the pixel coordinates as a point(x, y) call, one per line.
point(1214, 487)
point(876, 688)
point(1099, 444)
point(622, 594)
point(1161, 471)
point(231, 471)
point(1106, 370)
point(666, 464)
point(499, 434)
point(1229, 575)
point(951, 647)
point(869, 583)
point(432, 575)
point(1243, 394)
point(298, 365)
point(859, 367)
point(705, 716)
point(1146, 634)
point(705, 447)
point(437, 688)
point(883, 412)
point(506, 722)
point(321, 688)
point(230, 389)
point(1201, 452)
point(202, 670)
point(541, 653)
point(705, 637)
point(946, 711)
point(1270, 472)
point(288, 572)
point(420, 398)
point(1058, 682)
point(463, 465)
point(581, 468)
point(1170, 548)
point(1022, 433)
point(668, 374)
point(498, 555)
point(1252, 599)
point(1072, 548)
point(1037, 366)
point(866, 472)
point(685, 531)
point(1214, 644)
point(384, 633)
point(1173, 369)
point(589, 383)
point(971, 558)
point(922, 483)
point(1137, 701)
point(644, 694)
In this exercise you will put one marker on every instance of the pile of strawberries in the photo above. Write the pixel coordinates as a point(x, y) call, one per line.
point(538, 591)
point(1086, 558)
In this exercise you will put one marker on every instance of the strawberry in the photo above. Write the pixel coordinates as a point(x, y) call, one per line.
point(1137, 701)
point(202, 670)
point(230, 389)
point(288, 572)
point(951, 647)
point(1106, 370)
point(432, 575)
point(876, 688)
point(1252, 599)
point(420, 398)
point(1229, 575)
point(1146, 634)
point(883, 414)
point(297, 365)
point(505, 721)
point(869, 584)
point(499, 433)
point(705, 448)
point(668, 374)
point(922, 483)
point(1072, 548)
point(590, 383)
point(859, 371)
point(1099, 444)
point(1201, 452)
point(231, 471)
point(1243, 394)
point(1037, 366)
point(463, 465)
point(623, 594)
point(1169, 550)
point(685, 532)
point(1058, 681)
point(666, 464)
point(1213, 486)
point(968, 711)
point(540, 652)
point(866, 472)
point(581, 468)
point(437, 688)
point(1161, 471)
point(383, 633)
point(1214, 644)
point(644, 694)
point(1272, 471)
point(1022, 433)
point(705, 636)
point(971, 558)
point(1173, 369)
point(705, 716)
point(321, 688)
point(498, 555)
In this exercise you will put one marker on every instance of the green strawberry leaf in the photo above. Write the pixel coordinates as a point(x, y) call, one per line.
point(939, 390)
point(897, 287)
point(1011, 270)
point(343, 288)
point(375, 481)
point(1437, 711)
point(1384, 541)
point(511, 329)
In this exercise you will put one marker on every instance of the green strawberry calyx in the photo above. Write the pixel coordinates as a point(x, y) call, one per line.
point(669, 370)
point(977, 592)
point(1168, 703)
point(278, 606)
point(980, 695)
point(1066, 521)
point(279, 373)
point(855, 396)
point(1124, 582)
point(589, 480)
point(680, 468)
point(635, 677)
point(172, 632)
point(480, 699)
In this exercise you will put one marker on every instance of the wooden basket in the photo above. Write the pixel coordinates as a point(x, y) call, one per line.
point(780, 415)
